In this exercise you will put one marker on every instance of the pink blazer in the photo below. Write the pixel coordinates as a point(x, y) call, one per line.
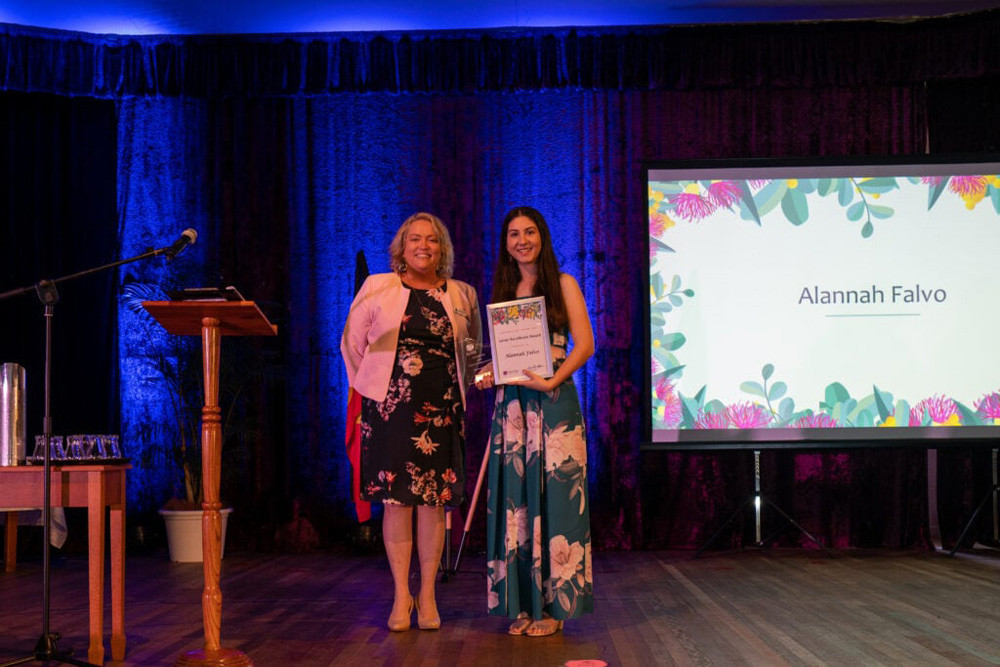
point(372, 332)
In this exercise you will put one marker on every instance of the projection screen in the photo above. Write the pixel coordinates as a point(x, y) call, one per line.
point(830, 303)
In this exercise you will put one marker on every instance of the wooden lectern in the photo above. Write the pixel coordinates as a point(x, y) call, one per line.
point(211, 319)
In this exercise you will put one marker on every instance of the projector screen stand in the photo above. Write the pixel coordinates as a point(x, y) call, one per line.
point(759, 501)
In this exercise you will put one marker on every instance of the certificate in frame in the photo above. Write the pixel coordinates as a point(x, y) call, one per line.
point(519, 339)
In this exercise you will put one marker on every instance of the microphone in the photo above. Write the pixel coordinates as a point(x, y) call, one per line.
point(188, 237)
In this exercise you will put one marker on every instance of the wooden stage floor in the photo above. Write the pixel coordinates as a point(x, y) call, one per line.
point(754, 607)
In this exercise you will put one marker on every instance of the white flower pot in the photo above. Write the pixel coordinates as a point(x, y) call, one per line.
point(184, 530)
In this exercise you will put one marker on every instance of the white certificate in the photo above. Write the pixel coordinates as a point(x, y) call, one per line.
point(519, 339)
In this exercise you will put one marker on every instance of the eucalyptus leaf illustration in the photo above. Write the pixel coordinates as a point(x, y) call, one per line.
point(689, 411)
point(747, 202)
point(935, 192)
point(776, 391)
point(672, 341)
point(845, 192)
point(835, 393)
point(878, 186)
point(884, 403)
point(969, 417)
point(795, 206)
point(786, 408)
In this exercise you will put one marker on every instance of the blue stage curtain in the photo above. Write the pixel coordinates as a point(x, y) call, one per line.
point(822, 54)
point(285, 191)
point(289, 154)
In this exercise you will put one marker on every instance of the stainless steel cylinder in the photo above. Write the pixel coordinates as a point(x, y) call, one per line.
point(13, 415)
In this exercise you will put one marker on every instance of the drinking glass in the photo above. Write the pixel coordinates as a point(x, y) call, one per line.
point(111, 447)
point(39, 453)
point(75, 447)
point(93, 447)
point(56, 450)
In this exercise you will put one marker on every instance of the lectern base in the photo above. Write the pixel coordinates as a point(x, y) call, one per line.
point(224, 657)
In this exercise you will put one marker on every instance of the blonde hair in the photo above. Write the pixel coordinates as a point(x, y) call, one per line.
point(447, 262)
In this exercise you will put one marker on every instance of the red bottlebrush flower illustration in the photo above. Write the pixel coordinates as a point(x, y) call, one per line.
point(748, 415)
point(659, 223)
point(691, 206)
point(931, 180)
point(816, 421)
point(724, 193)
point(989, 405)
point(941, 409)
point(709, 420)
point(968, 186)
point(671, 402)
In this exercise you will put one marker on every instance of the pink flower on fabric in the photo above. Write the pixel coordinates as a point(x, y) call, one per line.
point(496, 573)
point(709, 420)
point(563, 444)
point(513, 427)
point(968, 186)
point(816, 421)
point(517, 527)
point(748, 415)
point(533, 433)
point(412, 364)
point(671, 402)
point(564, 558)
point(724, 193)
point(989, 405)
point(691, 206)
point(931, 180)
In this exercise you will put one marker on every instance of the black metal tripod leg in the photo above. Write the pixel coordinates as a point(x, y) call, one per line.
point(972, 520)
point(731, 518)
point(795, 523)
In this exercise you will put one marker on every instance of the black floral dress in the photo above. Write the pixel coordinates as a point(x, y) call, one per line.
point(412, 443)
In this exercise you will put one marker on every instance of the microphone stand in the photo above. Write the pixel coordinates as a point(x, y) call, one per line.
point(46, 650)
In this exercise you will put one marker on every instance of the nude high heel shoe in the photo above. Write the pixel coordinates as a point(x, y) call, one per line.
point(428, 623)
point(402, 624)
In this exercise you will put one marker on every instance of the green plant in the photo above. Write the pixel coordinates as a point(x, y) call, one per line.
point(175, 362)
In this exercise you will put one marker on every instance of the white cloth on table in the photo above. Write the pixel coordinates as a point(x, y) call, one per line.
point(33, 517)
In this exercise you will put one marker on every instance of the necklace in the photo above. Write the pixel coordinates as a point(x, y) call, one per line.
point(424, 297)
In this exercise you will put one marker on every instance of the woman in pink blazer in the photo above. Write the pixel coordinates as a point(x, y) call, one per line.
point(410, 346)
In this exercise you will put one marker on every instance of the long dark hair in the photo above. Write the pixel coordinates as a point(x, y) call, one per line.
point(506, 276)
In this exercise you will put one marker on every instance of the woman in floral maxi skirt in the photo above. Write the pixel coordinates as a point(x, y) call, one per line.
point(538, 517)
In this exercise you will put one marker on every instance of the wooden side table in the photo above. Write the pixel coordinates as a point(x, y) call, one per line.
point(94, 487)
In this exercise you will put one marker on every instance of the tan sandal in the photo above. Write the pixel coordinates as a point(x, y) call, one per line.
point(520, 624)
point(544, 628)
